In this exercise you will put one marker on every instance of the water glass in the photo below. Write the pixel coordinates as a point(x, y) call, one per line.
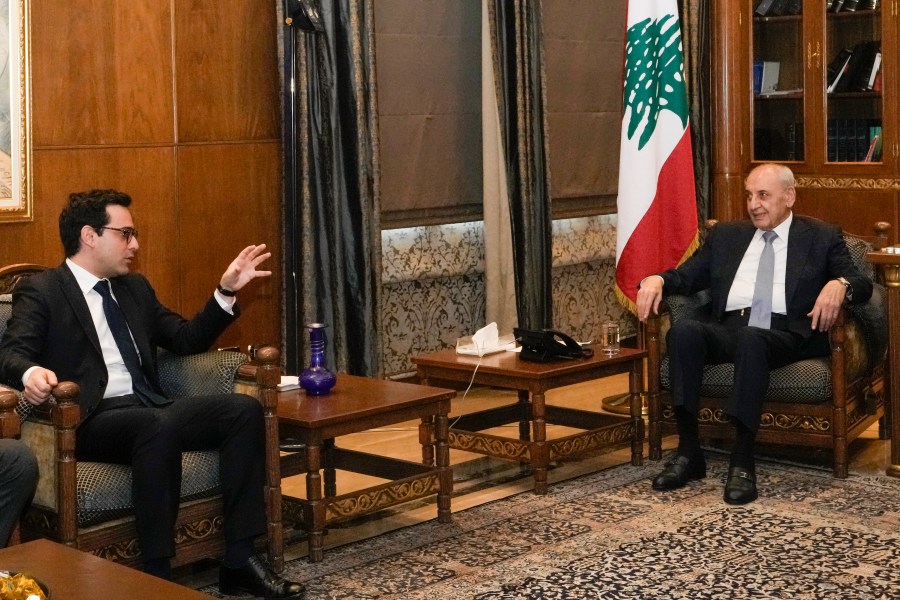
point(610, 338)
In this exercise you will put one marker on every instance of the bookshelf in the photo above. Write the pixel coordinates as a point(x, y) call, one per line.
point(796, 82)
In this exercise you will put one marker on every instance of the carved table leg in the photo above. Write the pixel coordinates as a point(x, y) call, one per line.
point(426, 439)
point(892, 281)
point(540, 450)
point(635, 383)
point(328, 463)
point(445, 474)
point(315, 508)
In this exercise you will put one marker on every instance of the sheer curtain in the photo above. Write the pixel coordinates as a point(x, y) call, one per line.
point(332, 231)
point(520, 86)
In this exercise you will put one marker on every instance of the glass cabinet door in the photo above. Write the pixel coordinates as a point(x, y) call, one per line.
point(778, 80)
point(854, 106)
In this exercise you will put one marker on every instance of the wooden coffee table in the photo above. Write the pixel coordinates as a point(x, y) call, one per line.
point(532, 380)
point(75, 575)
point(356, 404)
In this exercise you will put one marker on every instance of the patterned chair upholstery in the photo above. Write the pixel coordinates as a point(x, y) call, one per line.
point(825, 402)
point(88, 504)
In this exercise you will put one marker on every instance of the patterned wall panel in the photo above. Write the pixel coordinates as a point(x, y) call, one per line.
point(428, 314)
point(583, 298)
point(434, 291)
point(429, 252)
point(584, 240)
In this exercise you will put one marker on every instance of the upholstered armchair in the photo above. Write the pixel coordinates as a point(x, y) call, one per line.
point(88, 505)
point(821, 403)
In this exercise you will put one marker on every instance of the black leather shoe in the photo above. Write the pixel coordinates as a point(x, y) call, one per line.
point(678, 472)
point(740, 487)
point(258, 579)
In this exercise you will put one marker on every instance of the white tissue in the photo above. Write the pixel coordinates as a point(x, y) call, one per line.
point(486, 340)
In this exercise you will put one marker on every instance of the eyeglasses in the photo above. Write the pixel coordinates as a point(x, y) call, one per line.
point(127, 232)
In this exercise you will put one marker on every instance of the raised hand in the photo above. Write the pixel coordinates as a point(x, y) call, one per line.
point(242, 269)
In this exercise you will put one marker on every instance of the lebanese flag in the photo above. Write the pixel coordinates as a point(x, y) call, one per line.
point(657, 221)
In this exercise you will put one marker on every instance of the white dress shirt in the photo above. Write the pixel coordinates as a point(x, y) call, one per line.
point(119, 381)
point(741, 293)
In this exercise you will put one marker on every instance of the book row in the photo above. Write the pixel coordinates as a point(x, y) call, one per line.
point(854, 140)
point(779, 8)
point(856, 69)
point(850, 5)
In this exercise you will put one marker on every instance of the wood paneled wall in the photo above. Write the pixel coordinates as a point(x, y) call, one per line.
point(177, 104)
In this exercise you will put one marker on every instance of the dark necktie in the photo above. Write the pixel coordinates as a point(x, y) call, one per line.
point(761, 309)
point(115, 318)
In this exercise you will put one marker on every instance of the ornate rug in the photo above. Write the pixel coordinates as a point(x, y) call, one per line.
point(609, 535)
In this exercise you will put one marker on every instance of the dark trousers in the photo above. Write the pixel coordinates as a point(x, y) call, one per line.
point(754, 352)
point(151, 440)
point(18, 478)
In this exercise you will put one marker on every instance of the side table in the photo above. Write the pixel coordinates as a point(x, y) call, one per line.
point(356, 404)
point(889, 265)
point(72, 574)
point(533, 380)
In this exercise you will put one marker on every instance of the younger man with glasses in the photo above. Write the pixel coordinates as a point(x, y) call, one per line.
point(92, 321)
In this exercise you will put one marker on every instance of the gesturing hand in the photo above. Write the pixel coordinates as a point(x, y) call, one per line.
point(242, 269)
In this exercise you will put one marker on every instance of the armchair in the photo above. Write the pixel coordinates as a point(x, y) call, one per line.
point(88, 505)
point(822, 403)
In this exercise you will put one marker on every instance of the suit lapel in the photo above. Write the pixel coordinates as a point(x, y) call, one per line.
point(735, 251)
point(75, 297)
point(800, 240)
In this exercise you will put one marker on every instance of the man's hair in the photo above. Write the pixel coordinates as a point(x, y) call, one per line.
point(87, 208)
point(783, 172)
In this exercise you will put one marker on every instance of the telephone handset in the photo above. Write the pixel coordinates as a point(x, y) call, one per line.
point(547, 344)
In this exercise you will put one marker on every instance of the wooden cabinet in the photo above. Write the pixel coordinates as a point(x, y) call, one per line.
point(814, 88)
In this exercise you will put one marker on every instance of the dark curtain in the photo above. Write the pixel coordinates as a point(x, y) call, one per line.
point(695, 39)
point(517, 49)
point(332, 234)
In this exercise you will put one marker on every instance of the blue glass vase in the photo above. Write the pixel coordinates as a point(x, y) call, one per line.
point(316, 379)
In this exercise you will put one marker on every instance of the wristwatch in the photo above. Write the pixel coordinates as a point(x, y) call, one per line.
point(232, 293)
point(849, 294)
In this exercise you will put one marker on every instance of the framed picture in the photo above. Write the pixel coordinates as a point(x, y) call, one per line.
point(15, 107)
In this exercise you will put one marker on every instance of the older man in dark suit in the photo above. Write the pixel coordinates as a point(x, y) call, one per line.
point(777, 283)
point(93, 322)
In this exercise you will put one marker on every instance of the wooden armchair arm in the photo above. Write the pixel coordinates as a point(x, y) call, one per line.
point(50, 433)
point(260, 379)
point(9, 420)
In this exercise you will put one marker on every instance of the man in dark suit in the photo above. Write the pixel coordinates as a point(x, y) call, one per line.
point(93, 322)
point(774, 295)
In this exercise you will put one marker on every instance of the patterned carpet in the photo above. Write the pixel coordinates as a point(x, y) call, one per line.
point(608, 535)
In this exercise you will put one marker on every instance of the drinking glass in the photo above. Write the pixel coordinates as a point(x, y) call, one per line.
point(610, 338)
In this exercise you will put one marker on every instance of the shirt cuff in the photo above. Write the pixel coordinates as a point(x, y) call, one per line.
point(648, 277)
point(28, 373)
point(225, 302)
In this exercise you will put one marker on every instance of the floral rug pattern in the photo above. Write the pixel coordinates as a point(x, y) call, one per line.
point(609, 535)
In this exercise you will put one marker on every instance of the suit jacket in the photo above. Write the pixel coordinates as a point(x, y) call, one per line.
point(816, 254)
point(51, 327)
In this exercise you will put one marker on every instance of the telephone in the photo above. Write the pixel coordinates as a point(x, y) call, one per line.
point(547, 344)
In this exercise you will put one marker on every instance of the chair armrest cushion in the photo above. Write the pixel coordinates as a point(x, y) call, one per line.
point(697, 306)
point(866, 333)
point(200, 374)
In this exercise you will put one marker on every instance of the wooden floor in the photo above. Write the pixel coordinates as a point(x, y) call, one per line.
point(479, 479)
